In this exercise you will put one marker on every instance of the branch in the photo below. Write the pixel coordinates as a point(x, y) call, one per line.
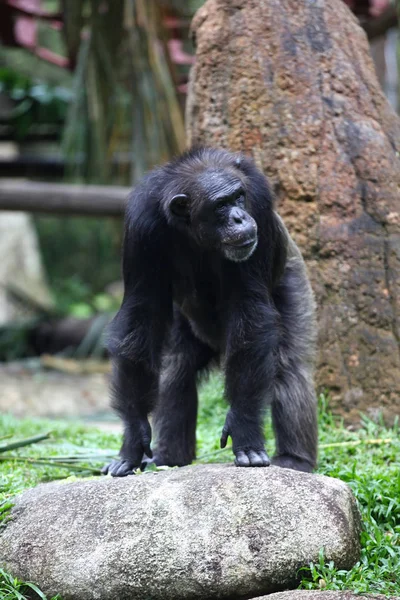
point(89, 200)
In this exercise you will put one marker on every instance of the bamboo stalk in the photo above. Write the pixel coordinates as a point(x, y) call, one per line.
point(25, 442)
point(38, 461)
point(376, 441)
point(64, 459)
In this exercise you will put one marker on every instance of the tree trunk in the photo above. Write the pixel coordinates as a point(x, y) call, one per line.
point(292, 83)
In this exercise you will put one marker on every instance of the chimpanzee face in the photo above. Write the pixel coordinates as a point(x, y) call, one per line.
point(216, 214)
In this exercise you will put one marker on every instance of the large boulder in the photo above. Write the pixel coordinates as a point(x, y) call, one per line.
point(202, 532)
point(292, 83)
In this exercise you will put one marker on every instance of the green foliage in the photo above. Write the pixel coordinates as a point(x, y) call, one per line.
point(68, 440)
point(81, 256)
point(12, 588)
point(35, 102)
point(5, 509)
point(372, 470)
point(367, 459)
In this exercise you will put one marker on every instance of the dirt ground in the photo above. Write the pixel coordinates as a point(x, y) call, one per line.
point(27, 391)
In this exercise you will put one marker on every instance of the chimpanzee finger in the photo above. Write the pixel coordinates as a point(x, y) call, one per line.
point(106, 470)
point(258, 459)
point(123, 468)
point(265, 458)
point(224, 438)
point(241, 459)
point(252, 458)
point(147, 450)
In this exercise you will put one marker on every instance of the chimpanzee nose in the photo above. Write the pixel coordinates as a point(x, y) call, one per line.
point(237, 216)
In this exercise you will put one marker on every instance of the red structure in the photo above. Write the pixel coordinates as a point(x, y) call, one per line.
point(19, 27)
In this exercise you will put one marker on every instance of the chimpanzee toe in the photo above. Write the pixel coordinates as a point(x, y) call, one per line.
point(242, 460)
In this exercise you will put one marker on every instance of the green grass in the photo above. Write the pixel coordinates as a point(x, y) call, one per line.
point(12, 588)
point(371, 469)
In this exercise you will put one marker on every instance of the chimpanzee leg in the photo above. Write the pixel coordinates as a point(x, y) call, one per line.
point(176, 413)
point(294, 406)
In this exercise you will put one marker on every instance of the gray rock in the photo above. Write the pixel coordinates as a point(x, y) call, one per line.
point(317, 595)
point(191, 533)
point(21, 269)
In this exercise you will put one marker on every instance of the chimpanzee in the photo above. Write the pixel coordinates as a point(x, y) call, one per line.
point(211, 274)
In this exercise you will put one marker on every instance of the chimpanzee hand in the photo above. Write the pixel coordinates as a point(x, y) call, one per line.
point(247, 441)
point(136, 443)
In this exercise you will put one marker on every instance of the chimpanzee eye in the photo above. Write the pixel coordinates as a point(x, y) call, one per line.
point(240, 201)
point(220, 206)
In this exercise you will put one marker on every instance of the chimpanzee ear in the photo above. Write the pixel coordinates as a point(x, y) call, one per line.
point(179, 206)
point(238, 162)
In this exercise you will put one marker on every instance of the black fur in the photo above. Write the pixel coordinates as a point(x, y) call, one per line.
point(211, 274)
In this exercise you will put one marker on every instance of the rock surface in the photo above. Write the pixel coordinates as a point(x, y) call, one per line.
point(21, 268)
point(193, 533)
point(317, 595)
point(292, 83)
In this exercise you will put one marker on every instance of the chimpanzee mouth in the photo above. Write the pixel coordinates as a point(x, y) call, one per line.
point(241, 251)
point(239, 244)
point(246, 244)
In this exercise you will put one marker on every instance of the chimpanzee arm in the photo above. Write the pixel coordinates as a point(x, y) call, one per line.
point(137, 333)
point(250, 370)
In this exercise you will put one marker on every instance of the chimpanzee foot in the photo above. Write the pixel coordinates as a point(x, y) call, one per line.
point(251, 458)
point(292, 462)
